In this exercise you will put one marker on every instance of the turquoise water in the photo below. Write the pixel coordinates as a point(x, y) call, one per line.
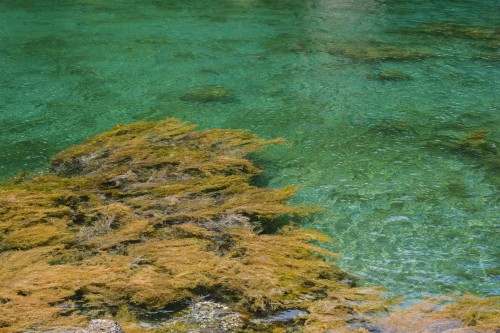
point(375, 97)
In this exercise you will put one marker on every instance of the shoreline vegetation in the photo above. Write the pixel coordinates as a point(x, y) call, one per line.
point(158, 226)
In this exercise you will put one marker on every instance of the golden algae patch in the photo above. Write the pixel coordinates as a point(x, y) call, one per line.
point(460, 314)
point(378, 52)
point(146, 216)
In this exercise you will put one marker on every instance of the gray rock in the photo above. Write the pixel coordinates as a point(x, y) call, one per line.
point(101, 326)
point(56, 331)
point(95, 326)
point(214, 317)
point(207, 317)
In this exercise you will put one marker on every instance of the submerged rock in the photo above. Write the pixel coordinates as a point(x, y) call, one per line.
point(389, 76)
point(477, 143)
point(208, 94)
point(208, 317)
point(282, 316)
point(488, 57)
point(94, 326)
point(465, 314)
point(214, 316)
point(452, 29)
point(102, 326)
point(379, 53)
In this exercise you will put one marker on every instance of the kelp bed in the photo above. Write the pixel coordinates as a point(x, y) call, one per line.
point(155, 216)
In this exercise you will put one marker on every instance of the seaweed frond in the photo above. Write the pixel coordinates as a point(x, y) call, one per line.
point(149, 215)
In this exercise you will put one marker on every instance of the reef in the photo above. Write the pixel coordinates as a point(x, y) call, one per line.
point(156, 219)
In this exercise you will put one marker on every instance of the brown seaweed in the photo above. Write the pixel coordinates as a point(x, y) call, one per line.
point(148, 215)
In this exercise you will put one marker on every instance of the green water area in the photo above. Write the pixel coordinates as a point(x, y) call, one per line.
point(391, 109)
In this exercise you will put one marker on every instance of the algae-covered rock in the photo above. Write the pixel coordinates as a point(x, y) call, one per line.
point(207, 317)
point(462, 314)
point(208, 94)
point(392, 128)
point(150, 215)
point(379, 53)
point(487, 57)
point(452, 29)
point(94, 326)
point(102, 326)
point(389, 76)
point(480, 147)
point(477, 143)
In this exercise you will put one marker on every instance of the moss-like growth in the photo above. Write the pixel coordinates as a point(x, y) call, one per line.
point(149, 215)
point(480, 146)
point(292, 43)
point(389, 76)
point(487, 57)
point(452, 29)
point(476, 143)
point(464, 314)
point(494, 44)
point(392, 128)
point(379, 53)
point(208, 94)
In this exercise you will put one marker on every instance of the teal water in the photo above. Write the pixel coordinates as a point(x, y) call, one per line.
point(376, 97)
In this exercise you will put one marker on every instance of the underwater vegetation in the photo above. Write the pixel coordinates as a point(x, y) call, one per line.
point(482, 146)
point(440, 315)
point(361, 51)
point(392, 128)
point(379, 53)
point(149, 215)
point(292, 43)
point(208, 94)
point(452, 29)
point(486, 39)
point(50, 45)
point(389, 76)
point(476, 143)
point(155, 216)
point(487, 57)
point(479, 147)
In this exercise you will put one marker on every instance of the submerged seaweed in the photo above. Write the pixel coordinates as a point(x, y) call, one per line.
point(481, 147)
point(389, 76)
point(149, 215)
point(208, 94)
point(452, 29)
point(377, 53)
point(464, 314)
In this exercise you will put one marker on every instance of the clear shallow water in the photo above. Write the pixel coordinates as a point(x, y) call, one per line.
point(408, 208)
